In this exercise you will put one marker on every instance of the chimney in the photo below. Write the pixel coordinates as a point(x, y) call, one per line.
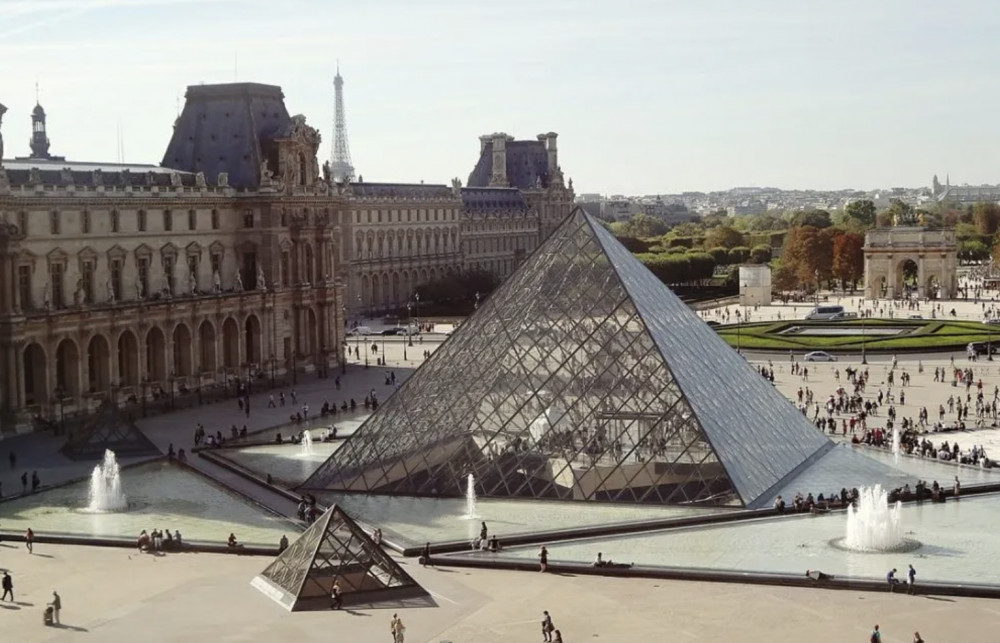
point(499, 176)
point(483, 142)
point(550, 146)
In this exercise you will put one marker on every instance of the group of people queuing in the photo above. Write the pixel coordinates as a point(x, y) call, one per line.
point(307, 510)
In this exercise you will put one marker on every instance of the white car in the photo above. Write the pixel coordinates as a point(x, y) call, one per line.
point(819, 356)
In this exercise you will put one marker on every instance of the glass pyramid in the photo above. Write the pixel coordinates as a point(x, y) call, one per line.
point(110, 429)
point(334, 549)
point(582, 378)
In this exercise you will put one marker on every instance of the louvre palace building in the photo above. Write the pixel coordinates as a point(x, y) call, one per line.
point(236, 260)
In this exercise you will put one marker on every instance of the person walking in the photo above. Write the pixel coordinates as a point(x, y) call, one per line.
point(876, 636)
point(29, 540)
point(543, 559)
point(336, 597)
point(8, 586)
point(56, 606)
point(397, 628)
point(35, 482)
point(24, 482)
point(911, 576)
point(547, 626)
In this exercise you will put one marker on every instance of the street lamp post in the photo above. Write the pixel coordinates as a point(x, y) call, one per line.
point(173, 377)
point(145, 383)
point(864, 356)
point(416, 298)
point(409, 331)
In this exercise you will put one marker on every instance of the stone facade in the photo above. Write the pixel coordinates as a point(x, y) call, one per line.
point(403, 235)
point(499, 230)
point(129, 282)
point(933, 251)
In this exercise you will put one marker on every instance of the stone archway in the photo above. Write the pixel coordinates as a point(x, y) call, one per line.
point(312, 328)
point(156, 355)
point(907, 274)
point(206, 338)
point(68, 368)
point(252, 337)
point(128, 359)
point(230, 343)
point(888, 251)
point(98, 364)
point(182, 350)
point(36, 382)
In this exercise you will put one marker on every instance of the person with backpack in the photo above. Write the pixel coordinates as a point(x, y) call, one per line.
point(876, 636)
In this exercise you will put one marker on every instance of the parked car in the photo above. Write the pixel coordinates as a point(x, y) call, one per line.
point(819, 356)
point(983, 348)
point(360, 331)
point(392, 331)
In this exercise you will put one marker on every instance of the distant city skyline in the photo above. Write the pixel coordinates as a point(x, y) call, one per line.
point(655, 97)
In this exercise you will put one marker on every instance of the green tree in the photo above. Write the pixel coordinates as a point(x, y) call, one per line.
point(723, 236)
point(760, 254)
point(862, 211)
point(899, 211)
point(813, 218)
point(634, 245)
point(720, 254)
point(974, 250)
point(986, 217)
point(739, 254)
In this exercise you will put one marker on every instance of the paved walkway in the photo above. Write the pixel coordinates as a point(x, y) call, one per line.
point(115, 595)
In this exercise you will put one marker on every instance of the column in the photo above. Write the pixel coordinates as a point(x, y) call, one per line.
point(921, 277)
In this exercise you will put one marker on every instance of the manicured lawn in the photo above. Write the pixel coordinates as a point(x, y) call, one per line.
point(930, 334)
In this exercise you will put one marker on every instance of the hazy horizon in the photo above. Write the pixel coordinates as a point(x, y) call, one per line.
point(654, 97)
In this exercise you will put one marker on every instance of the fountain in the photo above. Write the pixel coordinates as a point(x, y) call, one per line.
point(307, 445)
point(470, 497)
point(895, 443)
point(874, 526)
point(106, 494)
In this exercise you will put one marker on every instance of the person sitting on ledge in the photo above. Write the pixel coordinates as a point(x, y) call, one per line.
point(231, 542)
point(779, 505)
point(817, 575)
point(278, 439)
point(143, 541)
point(494, 544)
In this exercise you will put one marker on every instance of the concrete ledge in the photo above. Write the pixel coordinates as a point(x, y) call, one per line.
point(969, 590)
point(130, 543)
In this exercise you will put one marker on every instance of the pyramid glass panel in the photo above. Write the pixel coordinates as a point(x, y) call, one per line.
point(334, 549)
point(582, 378)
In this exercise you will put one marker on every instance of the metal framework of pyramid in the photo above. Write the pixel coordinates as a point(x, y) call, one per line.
point(110, 429)
point(582, 378)
point(334, 549)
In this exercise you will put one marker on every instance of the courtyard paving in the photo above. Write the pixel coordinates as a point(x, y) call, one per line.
point(118, 595)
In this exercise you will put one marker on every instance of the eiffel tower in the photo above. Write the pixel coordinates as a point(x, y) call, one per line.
point(341, 169)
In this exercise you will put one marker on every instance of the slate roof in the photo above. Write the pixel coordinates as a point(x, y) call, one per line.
point(226, 128)
point(489, 200)
point(51, 172)
point(527, 162)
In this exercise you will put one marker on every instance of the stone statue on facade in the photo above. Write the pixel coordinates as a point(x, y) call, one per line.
point(165, 287)
point(175, 179)
point(139, 291)
point(34, 176)
point(47, 297)
point(193, 283)
point(261, 282)
point(238, 282)
point(216, 281)
point(199, 180)
point(109, 287)
point(223, 179)
point(327, 172)
point(78, 293)
point(266, 175)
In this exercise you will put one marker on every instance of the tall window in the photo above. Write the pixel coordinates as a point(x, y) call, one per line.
point(54, 223)
point(114, 221)
point(24, 287)
point(22, 223)
point(144, 275)
point(141, 220)
point(215, 219)
point(286, 275)
point(192, 219)
point(116, 278)
point(87, 276)
point(250, 270)
point(56, 276)
point(85, 222)
point(168, 220)
point(248, 218)
point(168, 271)
point(216, 264)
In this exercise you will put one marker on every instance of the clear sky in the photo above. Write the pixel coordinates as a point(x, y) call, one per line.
point(647, 95)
